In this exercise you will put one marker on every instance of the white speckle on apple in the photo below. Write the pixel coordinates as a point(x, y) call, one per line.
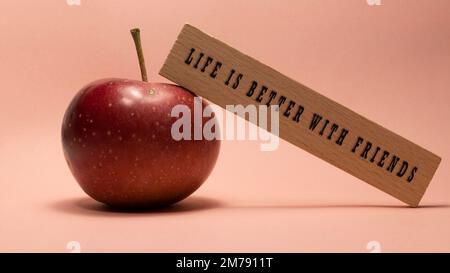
point(109, 104)
point(153, 136)
point(119, 138)
point(127, 101)
point(79, 115)
point(94, 133)
point(132, 114)
point(84, 129)
point(108, 133)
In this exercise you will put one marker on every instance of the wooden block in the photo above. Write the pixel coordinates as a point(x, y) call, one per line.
point(308, 119)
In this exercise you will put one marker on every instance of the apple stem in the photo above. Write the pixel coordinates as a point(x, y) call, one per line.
point(136, 33)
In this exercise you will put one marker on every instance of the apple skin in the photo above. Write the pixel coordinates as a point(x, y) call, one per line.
point(116, 137)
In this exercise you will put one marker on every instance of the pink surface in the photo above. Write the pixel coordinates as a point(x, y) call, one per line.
point(391, 63)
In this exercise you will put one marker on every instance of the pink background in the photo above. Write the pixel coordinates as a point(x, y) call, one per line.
point(391, 63)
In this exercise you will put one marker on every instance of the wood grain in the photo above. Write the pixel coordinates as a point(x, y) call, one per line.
point(348, 153)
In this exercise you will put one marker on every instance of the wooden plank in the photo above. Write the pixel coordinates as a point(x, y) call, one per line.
point(341, 137)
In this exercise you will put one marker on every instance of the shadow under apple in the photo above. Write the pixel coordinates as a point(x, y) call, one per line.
point(89, 207)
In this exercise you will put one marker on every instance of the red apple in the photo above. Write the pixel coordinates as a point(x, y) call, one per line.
point(117, 141)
